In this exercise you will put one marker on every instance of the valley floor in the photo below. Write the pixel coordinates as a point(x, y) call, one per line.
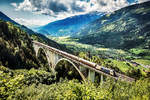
point(127, 62)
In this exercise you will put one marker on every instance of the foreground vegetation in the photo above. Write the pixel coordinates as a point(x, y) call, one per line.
point(38, 84)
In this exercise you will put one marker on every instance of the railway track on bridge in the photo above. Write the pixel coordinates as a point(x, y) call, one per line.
point(124, 77)
point(90, 65)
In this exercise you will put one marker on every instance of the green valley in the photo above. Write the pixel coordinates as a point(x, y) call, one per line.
point(115, 45)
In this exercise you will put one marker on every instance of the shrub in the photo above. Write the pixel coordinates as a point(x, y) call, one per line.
point(74, 90)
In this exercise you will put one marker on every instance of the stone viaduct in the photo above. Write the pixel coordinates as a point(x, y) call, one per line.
point(54, 56)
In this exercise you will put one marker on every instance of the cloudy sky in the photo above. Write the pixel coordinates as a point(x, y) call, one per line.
point(40, 12)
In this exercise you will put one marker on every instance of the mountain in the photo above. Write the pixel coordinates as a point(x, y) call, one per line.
point(6, 18)
point(126, 28)
point(68, 26)
point(33, 35)
point(16, 49)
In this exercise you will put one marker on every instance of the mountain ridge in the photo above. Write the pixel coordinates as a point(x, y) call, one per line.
point(32, 34)
point(6, 18)
point(124, 29)
point(68, 26)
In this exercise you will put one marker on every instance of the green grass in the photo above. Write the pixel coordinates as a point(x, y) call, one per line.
point(122, 65)
point(72, 44)
point(142, 61)
point(126, 68)
point(138, 51)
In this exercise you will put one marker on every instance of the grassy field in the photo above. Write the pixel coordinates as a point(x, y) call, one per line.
point(143, 61)
point(75, 46)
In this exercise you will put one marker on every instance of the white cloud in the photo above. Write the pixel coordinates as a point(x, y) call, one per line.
point(109, 5)
point(32, 22)
point(65, 8)
point(141, 1)
point(25, 5)
point(14, 4)
point(59, 9)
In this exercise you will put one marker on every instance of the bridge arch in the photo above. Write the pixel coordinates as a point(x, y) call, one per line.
point(74, 65)
point(41, 52)
point(38, 51)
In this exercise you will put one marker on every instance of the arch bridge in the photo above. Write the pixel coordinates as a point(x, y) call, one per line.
point(54, 56)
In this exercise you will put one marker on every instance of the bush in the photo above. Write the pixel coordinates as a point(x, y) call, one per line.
point(74, 90)
point(12, 81)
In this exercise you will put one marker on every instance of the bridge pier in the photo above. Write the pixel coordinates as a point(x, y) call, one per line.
point(91, 75)
point(102, 79)
point(82, 68)
point(36, 49)
point(48, 56)
point(55, 59)
point(52, 58)
point(84, 71)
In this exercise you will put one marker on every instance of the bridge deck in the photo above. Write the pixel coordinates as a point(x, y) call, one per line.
point(86, 63)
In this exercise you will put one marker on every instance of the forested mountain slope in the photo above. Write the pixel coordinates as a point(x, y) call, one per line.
point(34, 35)
point(16, 49)
point(126, 28)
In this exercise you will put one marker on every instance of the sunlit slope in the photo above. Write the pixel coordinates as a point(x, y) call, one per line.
point(126, 28)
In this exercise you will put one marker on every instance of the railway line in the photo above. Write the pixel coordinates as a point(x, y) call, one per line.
point(90, 65)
